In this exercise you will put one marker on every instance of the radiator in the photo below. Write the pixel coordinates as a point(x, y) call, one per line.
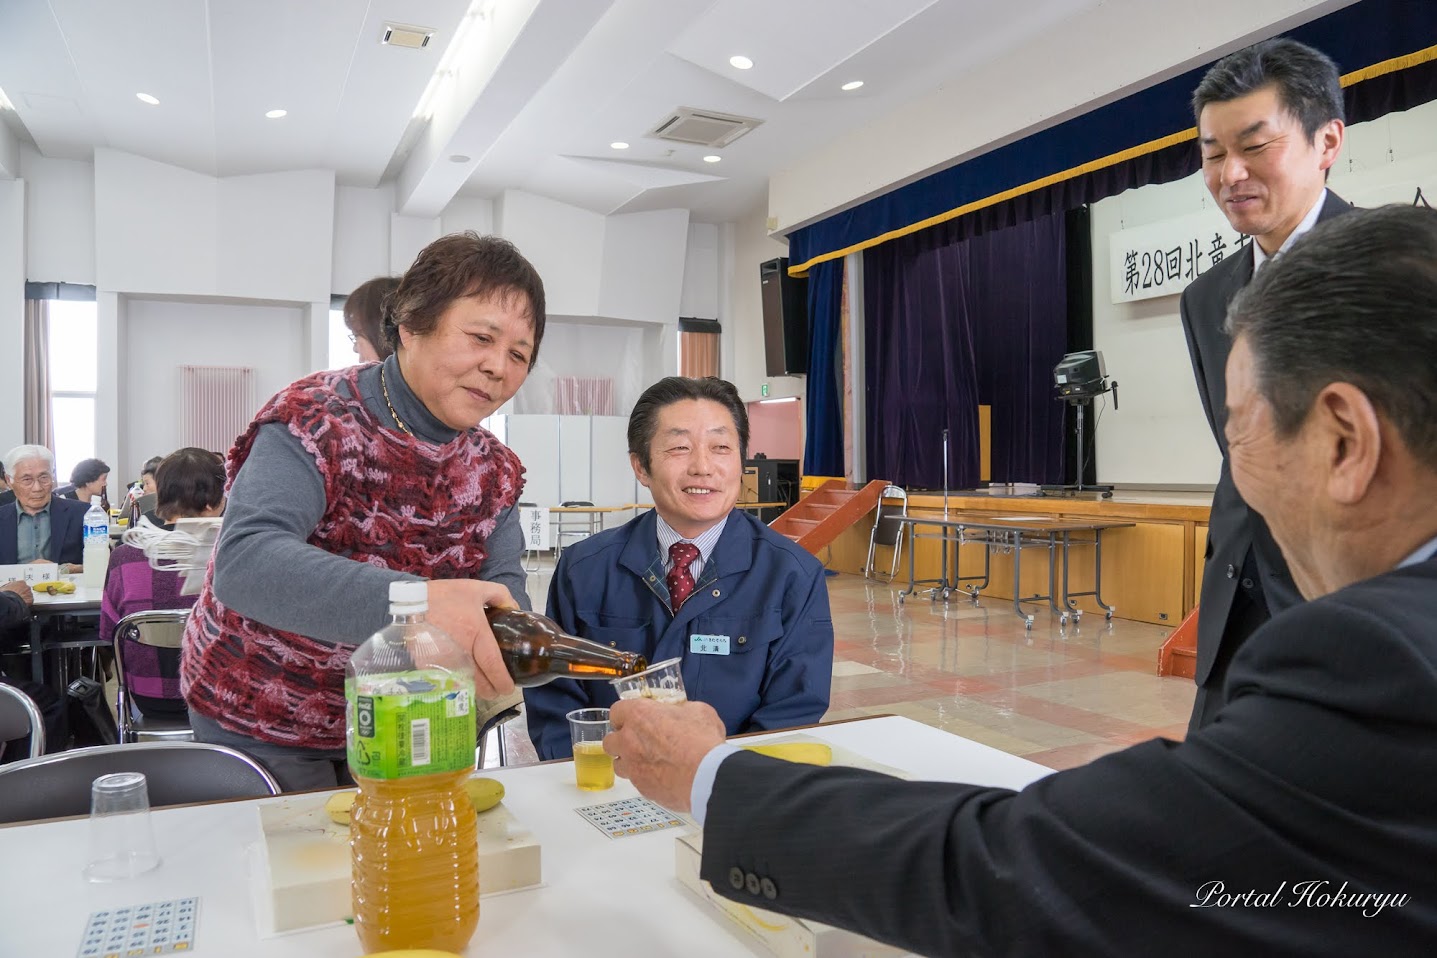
point(216, 405)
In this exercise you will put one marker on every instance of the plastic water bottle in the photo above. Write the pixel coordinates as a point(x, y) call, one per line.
point(97, 546)
point(413, 835)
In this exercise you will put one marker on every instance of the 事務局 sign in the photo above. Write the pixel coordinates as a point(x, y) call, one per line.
point(1160, 259)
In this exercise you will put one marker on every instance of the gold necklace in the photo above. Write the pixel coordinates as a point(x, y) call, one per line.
point(384, 386)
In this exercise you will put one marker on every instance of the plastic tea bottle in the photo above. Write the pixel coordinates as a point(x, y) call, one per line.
point(537, 651)
point(413, 835)
point(97, 546)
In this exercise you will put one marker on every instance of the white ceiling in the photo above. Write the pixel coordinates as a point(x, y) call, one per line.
point(539, 89)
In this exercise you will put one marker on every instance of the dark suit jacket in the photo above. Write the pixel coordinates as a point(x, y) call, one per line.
point(1241, 552)
point(67, 532)
point(1320, 767)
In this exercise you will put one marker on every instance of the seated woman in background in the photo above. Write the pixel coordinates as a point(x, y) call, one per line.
point(364, 315)
point(135, 502)
point(88, 479)
point(191, 484)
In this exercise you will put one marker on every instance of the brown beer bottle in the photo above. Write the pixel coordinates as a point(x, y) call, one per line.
point(536, 651)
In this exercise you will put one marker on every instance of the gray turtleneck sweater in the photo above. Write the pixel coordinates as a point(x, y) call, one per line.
point(265, 568)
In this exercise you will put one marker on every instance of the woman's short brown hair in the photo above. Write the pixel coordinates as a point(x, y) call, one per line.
point(189, 482)
point(459, 265)
point(364, 311)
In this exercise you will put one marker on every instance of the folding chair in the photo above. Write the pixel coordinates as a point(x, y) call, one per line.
point(20, 717)
point(178, 773)
point(161, 629)
point(887, 529)
point(576, 529)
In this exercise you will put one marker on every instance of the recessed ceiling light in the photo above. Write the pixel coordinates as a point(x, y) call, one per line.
point(712, 158)
point(852, 85)
point(458, 158)
point(740, 63)
point(146, 98)
point(276, 114)
point(618, 145)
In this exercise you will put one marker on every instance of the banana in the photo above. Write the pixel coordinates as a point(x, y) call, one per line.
point(484, 793)
point(54, 587)
point(804, 753)
point(339, 806)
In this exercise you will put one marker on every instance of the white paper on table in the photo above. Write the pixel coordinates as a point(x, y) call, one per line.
point(30, 573)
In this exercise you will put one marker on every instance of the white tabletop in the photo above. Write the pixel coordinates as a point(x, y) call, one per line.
point(600, 897)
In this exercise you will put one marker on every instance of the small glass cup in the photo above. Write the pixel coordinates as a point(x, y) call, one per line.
point(663, 681)
point(593, 767)
point(122, 838)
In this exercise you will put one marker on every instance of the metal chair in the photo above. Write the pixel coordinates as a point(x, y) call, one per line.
point(887, 530)
point(19, 717)
point(491, 728)
point(160, 629)
point(573, 528)
point(178, 773)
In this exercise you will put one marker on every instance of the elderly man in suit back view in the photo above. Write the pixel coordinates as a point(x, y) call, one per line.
point(1270, 125)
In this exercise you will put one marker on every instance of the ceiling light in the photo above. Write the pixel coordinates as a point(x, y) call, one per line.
point(618, 145)
point(276, 114)
point(740, 63)
point(458, 158)
point(146, 98)
point(712, 158)
point(784, 399)
point(851, 85)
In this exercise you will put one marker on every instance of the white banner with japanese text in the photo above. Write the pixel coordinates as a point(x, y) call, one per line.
point(1160, 259)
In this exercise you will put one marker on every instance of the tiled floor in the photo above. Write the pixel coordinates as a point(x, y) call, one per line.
point(1060, 698)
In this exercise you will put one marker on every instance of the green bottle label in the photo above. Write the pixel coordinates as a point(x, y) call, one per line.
point(411, 723)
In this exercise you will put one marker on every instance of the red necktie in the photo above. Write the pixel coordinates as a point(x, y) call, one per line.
point(681, 583)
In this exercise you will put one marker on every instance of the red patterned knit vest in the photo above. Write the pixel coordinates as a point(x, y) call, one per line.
point(393, 501)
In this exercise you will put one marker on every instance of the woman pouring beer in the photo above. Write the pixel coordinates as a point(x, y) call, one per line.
point(350, 479)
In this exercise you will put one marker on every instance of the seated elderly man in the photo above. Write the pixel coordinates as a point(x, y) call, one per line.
point(40, 526)
point(1302, 820)
point(694, 579)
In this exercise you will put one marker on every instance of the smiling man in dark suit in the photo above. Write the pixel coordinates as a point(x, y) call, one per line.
point(1302, 821)
point(1270, 125)
point(40, 526)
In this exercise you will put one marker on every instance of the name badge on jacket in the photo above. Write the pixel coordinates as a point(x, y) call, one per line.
point(708, 644)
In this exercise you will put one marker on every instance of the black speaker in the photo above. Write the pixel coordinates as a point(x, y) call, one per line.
point(785, 319)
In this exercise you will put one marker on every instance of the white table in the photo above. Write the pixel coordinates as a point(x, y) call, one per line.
point(83, 602)
point(601, 897)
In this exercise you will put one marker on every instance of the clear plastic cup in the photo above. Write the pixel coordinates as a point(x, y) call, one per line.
point(663, 681)
point(122, 838)
point(593, 767)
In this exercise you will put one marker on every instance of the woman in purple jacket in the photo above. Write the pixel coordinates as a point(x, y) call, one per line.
point(191, 484)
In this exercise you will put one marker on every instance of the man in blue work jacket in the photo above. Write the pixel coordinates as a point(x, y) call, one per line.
point(695, 579)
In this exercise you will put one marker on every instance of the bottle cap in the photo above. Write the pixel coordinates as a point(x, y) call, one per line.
point(95, 502)
point(413, 596)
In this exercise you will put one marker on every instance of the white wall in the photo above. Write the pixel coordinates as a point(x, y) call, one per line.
point(743, 326)
point(642, 274)
point(12, 313)
point(160, 229)
point(1109, 54)
point(361, 235)
point(700, 297)
point(1160, 434)
point(468, 213)
point(60, 240)
point(565, 244)
point(586, 349)
point(161, 336)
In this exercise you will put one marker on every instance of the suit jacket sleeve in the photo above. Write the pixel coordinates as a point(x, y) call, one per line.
point(1186, 309)
point(13, 610)
point(546, 706)
point(1107, 859)
point(799, 674)
point(67, 531)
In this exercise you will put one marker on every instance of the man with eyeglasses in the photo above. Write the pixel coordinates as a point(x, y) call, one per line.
point(40, 526)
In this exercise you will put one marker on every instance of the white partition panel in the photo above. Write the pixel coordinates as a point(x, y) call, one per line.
point(535, 440)
point(574, 482)
point(613, 478)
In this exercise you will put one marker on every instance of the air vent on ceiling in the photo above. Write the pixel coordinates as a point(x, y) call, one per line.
point(409, 37)
point(703, 127)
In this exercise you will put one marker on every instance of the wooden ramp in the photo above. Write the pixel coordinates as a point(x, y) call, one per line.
point(1178, 656)
point(824, 514)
